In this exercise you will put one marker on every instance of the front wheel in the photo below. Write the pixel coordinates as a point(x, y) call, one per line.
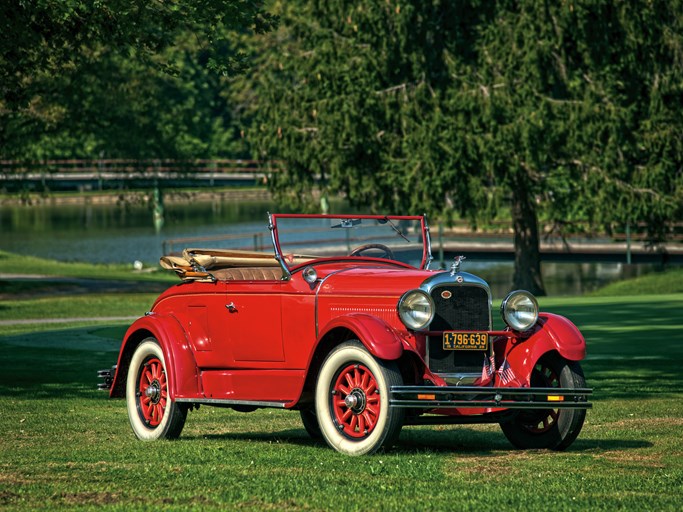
point(553, 429)
point(352, 400)
point(152, 413)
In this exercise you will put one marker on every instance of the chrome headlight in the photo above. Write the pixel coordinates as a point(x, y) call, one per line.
point(519, 310)
point(310, 275)
point(416, 309)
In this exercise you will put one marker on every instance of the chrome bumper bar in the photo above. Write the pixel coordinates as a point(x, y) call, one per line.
point(474, 397)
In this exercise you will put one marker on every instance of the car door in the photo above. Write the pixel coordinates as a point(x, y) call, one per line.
point(253, 322)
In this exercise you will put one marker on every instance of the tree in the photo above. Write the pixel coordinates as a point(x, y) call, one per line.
point(119, 108)
point(79, 75)
point(464, 106)
point(630, 146)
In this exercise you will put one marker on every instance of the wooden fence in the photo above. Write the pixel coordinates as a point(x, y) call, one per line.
point(113, 173)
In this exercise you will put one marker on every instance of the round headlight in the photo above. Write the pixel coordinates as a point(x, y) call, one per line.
point(520, 310)
point(416, 309)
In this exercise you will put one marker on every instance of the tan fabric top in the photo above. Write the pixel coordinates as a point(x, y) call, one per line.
point(206, 265)
point(218, 258)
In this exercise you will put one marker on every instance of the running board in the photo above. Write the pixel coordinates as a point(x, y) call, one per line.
point(230, 403)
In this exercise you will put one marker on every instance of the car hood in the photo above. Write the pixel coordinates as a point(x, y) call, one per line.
point(372, 281)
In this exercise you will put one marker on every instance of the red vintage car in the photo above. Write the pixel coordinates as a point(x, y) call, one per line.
point(345, 322)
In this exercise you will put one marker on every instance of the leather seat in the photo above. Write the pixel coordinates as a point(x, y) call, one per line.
point(248, 274)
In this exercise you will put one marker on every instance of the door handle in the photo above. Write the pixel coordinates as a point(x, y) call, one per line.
point(231, 307)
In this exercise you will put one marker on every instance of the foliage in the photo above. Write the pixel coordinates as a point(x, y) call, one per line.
point(66, 445)
point(140, 79)
point(565, 111)
point(628, 90)
point(670, 281)
point(569, 110)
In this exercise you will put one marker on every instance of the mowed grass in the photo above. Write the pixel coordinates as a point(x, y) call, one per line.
point(657, 283)
point(77, 306)
point(20, 264)
point(65, 445)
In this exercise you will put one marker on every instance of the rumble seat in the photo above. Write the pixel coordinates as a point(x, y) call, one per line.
point(248, 274)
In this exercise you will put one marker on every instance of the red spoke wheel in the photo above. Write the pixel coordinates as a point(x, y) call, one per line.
point(355, 401)
point(543, 420)
point(554, 429)
point(153, 391)
point(352, 400)
point(152, 414)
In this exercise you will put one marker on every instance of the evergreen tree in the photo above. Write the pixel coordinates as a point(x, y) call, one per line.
point(130, 79)
point(466, 106)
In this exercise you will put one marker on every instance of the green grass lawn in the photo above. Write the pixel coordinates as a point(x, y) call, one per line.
point(19, 264)
point(66, 446)
point(78, 306)
point(658, 283)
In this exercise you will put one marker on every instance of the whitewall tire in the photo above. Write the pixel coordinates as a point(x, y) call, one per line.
point(352, 400)
point(152, 413)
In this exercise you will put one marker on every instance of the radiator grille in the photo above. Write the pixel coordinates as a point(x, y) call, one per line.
point(467, 309)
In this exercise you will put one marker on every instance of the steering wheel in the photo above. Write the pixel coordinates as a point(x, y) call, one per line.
point(385, 252)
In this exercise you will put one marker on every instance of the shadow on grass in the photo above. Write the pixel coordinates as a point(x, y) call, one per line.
point(584, 445)
point(463, 441)
point(409, 442)
point(647, 312)
point(471, 442)
point(632, 378)
point(57, 363)
point(55, 390)
point(293, 437)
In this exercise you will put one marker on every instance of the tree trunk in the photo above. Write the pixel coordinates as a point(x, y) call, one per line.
point(527, 250)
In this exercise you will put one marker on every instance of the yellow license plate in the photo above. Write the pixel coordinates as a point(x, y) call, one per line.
point(465, 341)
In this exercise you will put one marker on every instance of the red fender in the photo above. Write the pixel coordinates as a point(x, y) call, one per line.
point(374, 333)
point(553, 332)
point(180, 362)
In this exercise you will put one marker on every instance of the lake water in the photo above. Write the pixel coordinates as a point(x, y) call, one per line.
point(119, 233)
point(125, 233)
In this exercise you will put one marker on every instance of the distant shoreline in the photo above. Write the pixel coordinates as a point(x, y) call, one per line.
point(171, 196)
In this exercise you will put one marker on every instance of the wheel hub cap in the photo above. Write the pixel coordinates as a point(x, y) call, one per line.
point(153, 392)
point(356, 401)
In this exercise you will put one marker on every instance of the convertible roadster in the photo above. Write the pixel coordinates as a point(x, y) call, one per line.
point(345, 322)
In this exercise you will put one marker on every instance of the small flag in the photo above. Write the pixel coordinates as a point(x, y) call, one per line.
point(488, 370)
point(505, 373)
point(491, 367)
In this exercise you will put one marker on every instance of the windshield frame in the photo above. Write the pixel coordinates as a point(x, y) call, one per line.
point(288, 269)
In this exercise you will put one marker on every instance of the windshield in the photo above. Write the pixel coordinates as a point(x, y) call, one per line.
point(302, 238)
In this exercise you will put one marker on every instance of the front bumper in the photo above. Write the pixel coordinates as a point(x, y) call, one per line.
point(475, 397)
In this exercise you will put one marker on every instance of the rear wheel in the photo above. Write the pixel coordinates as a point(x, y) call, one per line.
point(152, 413)
point(310, 421)
point(352, 400)
point(554, 429)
